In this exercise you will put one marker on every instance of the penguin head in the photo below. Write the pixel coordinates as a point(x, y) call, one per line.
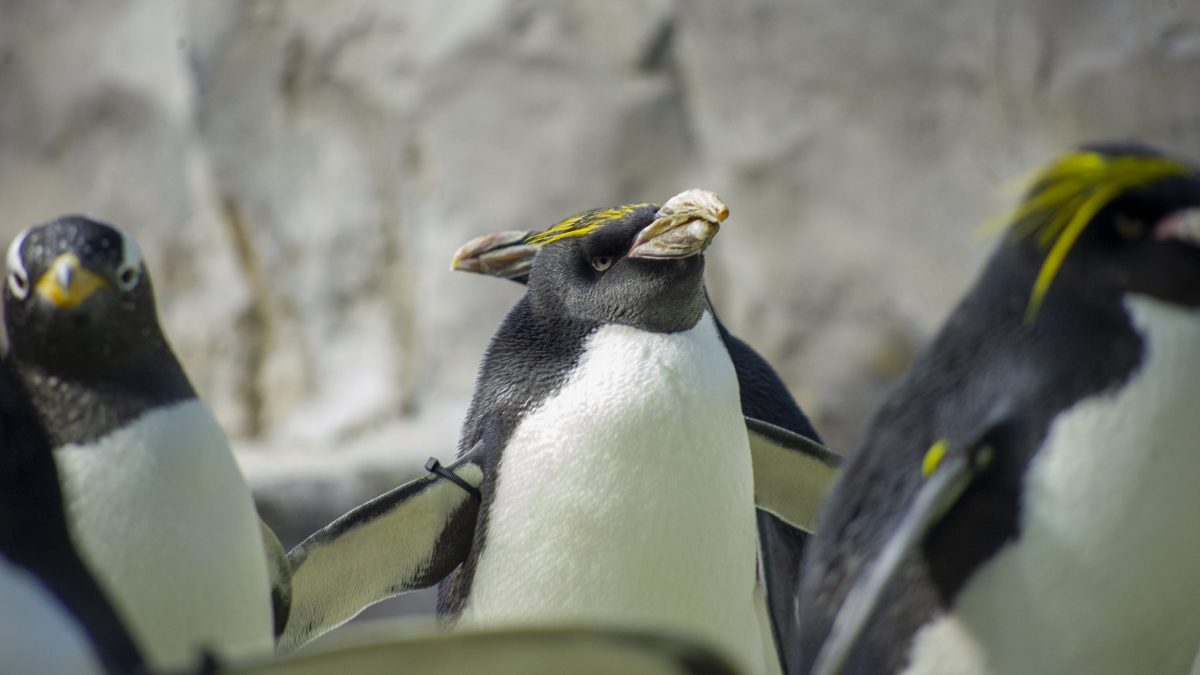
point(1110, 220)
point(637, 265)
point(77, 297)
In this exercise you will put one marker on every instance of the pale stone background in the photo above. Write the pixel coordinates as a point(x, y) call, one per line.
point(299, 172)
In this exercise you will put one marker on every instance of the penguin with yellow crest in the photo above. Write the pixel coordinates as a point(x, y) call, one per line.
point(1024, 500)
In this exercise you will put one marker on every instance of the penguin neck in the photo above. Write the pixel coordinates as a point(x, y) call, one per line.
point(83, 407)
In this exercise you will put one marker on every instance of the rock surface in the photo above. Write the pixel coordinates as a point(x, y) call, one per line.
point(299, 172)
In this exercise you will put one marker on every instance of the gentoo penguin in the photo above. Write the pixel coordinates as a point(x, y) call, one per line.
point(384, 647)
point(155, 501)
point(764, 397)
point(1023, 500)
point(550, 510)
point(53, 616)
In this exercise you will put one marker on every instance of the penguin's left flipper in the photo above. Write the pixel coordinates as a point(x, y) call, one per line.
point(385, 647)
point(408, 538)
point(948, 475)
point(280, 571)
point(791, 473)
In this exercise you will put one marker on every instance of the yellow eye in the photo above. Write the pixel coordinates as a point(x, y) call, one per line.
point(1130, 228)
point(601, 263)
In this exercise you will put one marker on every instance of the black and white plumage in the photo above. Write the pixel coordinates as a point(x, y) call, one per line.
point(1023, 500)
point(53, 616)
point(408, 538)
point(155, 501)
point(606, 425)
point(764, 398)
point(619, 487)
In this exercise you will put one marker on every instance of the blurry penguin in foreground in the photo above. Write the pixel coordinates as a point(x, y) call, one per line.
point(605, 474)
point(53, 616)
point(155, 501)
point(387, 647)
point(1025, 500)
point(763, 395)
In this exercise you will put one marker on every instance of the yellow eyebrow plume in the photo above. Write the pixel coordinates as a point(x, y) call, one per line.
point(1067, 195)
point(583, 224)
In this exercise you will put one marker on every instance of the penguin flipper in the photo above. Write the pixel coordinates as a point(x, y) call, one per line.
point(791, 473)
point(383, 647)
point(408, 538)
point(280, 571)
point(948, 475)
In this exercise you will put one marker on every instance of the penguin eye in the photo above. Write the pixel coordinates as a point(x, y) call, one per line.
point(128, 277)
point(1130, 228)
point(18, 283)
point(601, 263)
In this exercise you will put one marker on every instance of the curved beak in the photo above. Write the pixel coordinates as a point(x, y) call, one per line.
point(67, 283)
point(500, 254)
point(685, 226)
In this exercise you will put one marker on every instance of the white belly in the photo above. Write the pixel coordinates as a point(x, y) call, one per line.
point(166, 522)
point(37, 636)
point(627, 498)
point(1106, 575)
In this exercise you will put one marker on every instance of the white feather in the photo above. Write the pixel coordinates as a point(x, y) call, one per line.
point(627, 498)
point(1104, 577)
point(163, 516)
point(37, 634)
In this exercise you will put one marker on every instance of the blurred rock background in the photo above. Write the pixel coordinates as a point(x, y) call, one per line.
point(300, 171)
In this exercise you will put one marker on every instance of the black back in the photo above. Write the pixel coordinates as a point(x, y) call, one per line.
point(33, 528)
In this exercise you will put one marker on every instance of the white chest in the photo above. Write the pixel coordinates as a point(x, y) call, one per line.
point(1104, 578)
point(37, 636)
point(627, 497)
point(162, 515)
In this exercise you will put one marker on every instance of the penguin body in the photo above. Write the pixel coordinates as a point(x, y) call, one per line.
point(53, 616)
point(634, 471)
point(176, 498)
point(763, 396)
point(1016, 503)
point(154, 497)
point(1127, 585)
point(622, 490)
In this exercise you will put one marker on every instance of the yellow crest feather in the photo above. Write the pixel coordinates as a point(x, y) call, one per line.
point(1067, 195)
point(583, 224)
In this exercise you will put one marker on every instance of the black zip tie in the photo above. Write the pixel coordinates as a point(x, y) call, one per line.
point(434, 466)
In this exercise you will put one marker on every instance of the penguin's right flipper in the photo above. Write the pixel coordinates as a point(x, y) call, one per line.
point(791, 473)
point(948, 475)
point(405, 539)
point(381, 648)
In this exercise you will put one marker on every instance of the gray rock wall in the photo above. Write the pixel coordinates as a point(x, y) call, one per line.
point(299, 172)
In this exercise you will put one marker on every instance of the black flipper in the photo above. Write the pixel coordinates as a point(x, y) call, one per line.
point(405, 539)
point(791, 473)
point(949, 474)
